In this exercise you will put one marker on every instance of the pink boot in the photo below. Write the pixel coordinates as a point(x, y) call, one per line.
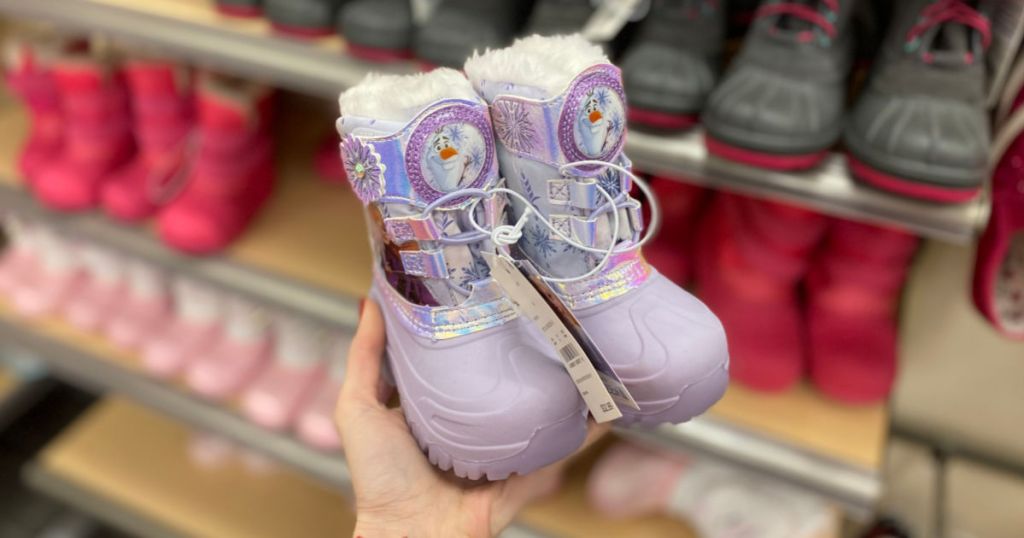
point(751, 257)
point(316, 423)
point(21, 258)
point(59, 276)
point(193, 331)
point(161, 94)
point(231, 362)
point(719, 501)
point(102, 292)
point(232, 175)
point(327, 162)
point(29, 76)
point(97, 134)
point(853, 291)
point(671, 250)
point(998, 288)
point(277, 396)
point(145, 309)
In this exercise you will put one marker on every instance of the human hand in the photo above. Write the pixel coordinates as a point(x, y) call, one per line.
point(398, 492)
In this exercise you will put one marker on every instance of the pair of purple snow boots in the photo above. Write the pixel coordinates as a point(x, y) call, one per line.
point(525, 156)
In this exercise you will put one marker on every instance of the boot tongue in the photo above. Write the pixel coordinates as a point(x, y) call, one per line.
point(947, 45)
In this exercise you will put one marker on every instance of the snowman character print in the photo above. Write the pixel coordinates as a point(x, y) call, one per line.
point(453, 158)
point(598, 122)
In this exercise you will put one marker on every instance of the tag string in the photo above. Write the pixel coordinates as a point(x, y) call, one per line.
point(510, 234)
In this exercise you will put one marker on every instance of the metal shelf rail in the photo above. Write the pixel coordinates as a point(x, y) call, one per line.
point(252, 282)
point(81, 368)
point(188, 29)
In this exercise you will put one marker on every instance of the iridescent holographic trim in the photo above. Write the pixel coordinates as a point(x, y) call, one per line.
point(624, 273)
point(486, 307)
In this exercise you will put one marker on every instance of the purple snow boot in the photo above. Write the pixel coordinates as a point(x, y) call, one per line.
point(559, 115)
point(482, 391)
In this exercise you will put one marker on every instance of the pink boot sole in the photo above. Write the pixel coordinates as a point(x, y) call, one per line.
point(907, 187)
point(770, 161)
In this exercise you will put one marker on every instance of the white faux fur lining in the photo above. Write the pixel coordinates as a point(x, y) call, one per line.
point(546, 63)
point(401, 97)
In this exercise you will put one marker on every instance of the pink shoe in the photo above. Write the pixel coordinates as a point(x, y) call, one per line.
point(194, 329)
point(998, 288)
point(277, 396)
point(103, 290)
point(719, 501)
point(751, 257)
point(671, 251)
point(231, 362)
point(232, 174)
point(853, 291)
point(29, 75)
point(161, 94)
point(327, 162)
point(210, 450)
point(145, 310)
point(59, 276)
point(98, 135)
point(632, 481)
point(316, 422)
point(20, 259)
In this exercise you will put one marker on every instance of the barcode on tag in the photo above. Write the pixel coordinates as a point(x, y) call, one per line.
point(568, 352)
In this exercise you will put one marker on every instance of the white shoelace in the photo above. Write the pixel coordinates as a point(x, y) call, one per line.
point(510, 234)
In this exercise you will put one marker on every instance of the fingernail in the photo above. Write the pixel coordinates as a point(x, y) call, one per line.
point(362, 304)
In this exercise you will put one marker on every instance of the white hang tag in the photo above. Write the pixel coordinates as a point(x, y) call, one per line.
point(597, 383)
point(611, 16)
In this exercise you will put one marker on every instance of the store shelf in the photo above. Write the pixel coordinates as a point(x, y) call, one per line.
point(104, 465)
point(307, 253)
point(829, 188)
point(89, 361)
point(17, 395)
point(799, 436)
point(315, 260)
point(194, 31)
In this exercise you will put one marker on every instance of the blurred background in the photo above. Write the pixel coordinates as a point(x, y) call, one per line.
point(183, 261)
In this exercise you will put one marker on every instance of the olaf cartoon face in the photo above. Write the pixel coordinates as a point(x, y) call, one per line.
point(598, 122)
point(453, 157)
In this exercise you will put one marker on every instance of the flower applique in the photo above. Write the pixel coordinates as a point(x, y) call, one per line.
point(364, 169)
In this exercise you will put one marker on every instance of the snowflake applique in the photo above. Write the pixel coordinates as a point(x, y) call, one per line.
point(513, 126)
point(364, 169)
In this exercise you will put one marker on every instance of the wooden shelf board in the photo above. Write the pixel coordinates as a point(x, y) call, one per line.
point(806, 419)
point(139, 460)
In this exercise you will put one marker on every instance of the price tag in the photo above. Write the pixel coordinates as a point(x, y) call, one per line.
point(600, 387)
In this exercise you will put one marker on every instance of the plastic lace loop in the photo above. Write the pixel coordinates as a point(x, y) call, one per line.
point(822, 16)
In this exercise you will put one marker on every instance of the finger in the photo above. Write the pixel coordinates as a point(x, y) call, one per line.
point(362, 371)
point(595, 432)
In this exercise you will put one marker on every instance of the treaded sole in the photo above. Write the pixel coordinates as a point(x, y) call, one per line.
point(504, 468)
